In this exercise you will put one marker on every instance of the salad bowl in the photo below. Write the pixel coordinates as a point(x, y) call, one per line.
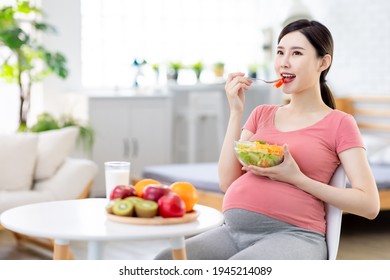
point(258, 153)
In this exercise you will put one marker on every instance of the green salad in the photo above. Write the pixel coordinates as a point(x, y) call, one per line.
point(258, 153)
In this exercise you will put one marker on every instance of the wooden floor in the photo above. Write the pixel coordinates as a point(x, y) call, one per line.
point(361, 239)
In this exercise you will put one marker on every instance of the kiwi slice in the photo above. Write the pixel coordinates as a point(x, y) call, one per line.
point(111, 204)
point(134, 199)
point(146, 208)
point(123, 207)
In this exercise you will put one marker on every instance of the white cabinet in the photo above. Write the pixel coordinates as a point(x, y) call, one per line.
point(130, 128)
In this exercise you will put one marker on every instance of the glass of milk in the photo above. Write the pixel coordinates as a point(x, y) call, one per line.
point(116, 173)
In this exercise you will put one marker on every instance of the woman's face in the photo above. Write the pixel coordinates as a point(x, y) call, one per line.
point(296, 60)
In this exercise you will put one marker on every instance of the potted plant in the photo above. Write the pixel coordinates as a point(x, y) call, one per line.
point(252, 71)
point(156, 69)
point(47, 121)
point(26, 61)
point(173, 70)
point(198, 68)
point(219, 69)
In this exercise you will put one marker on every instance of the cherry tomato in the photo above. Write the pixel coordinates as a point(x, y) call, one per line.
point(279, 83)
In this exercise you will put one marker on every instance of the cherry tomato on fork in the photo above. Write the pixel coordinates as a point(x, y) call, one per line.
point(279, 83)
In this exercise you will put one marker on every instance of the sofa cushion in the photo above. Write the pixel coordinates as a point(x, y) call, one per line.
point(18, 154)
point(10, 199)
point(53, 147)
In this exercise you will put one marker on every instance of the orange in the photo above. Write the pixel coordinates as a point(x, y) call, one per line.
point(141, 184)
point(187, 192)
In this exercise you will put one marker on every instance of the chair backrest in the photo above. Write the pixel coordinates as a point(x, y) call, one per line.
point(334, 215)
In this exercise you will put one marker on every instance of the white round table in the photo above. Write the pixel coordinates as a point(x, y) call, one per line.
point(86, 220)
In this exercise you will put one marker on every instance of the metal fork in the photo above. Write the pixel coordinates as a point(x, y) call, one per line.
point(265, 81)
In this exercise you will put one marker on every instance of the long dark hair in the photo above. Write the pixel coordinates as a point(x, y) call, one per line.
point(321, 39)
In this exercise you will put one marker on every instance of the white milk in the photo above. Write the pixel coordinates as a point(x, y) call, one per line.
point(114, 178)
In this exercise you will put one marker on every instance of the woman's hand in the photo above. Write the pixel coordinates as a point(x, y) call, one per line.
point(235, 86)
point(288, 171)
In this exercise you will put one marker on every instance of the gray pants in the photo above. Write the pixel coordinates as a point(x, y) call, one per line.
point(247, 235)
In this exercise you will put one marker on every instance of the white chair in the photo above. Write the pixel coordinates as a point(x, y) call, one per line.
point(334, 216)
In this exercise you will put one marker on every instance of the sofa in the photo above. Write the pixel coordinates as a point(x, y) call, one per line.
point(38, 167)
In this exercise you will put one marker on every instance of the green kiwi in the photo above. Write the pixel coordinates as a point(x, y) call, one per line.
point(111, 204)
point(123, 207)
point(134, 199)
point(146, 208)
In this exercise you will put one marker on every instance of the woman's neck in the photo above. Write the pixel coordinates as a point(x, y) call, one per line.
point(305, 103)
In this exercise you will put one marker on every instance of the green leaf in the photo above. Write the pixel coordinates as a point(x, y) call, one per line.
point(176, 65)
point(7, 19)
point(57, 63)
point(44, 27)
point(8, 72)
point(14, 38)
point(45, 122)
point(23, 6)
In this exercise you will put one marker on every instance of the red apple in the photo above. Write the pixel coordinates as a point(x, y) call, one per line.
point(155, 191)
point(171, 206)
point(122, 191)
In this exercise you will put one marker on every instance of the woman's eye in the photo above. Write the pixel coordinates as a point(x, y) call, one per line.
point(297, 53)
point(279, 52)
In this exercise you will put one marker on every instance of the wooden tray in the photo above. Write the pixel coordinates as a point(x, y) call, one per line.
point(158, 220)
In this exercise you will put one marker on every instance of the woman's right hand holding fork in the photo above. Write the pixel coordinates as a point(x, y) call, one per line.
point(235, 88)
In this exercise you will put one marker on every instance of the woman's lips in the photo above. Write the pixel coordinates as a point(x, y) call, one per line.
point(288, 78)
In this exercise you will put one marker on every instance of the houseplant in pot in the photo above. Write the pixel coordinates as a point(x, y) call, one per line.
point(173, 70)
point(252, 71)
point(47, 121)
point(198, 68)
point(26, 60)
point(219, 69)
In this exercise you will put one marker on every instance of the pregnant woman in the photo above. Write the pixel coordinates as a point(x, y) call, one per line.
point(278, 212)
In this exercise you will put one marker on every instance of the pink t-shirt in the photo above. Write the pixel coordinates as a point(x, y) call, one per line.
point(314, 148)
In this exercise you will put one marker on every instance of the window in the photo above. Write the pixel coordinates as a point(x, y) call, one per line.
point(115, 32)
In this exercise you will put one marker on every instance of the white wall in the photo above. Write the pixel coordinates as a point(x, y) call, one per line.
point(361, 31)
point(9, 104)
point(62, 96)
point(65, 16)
